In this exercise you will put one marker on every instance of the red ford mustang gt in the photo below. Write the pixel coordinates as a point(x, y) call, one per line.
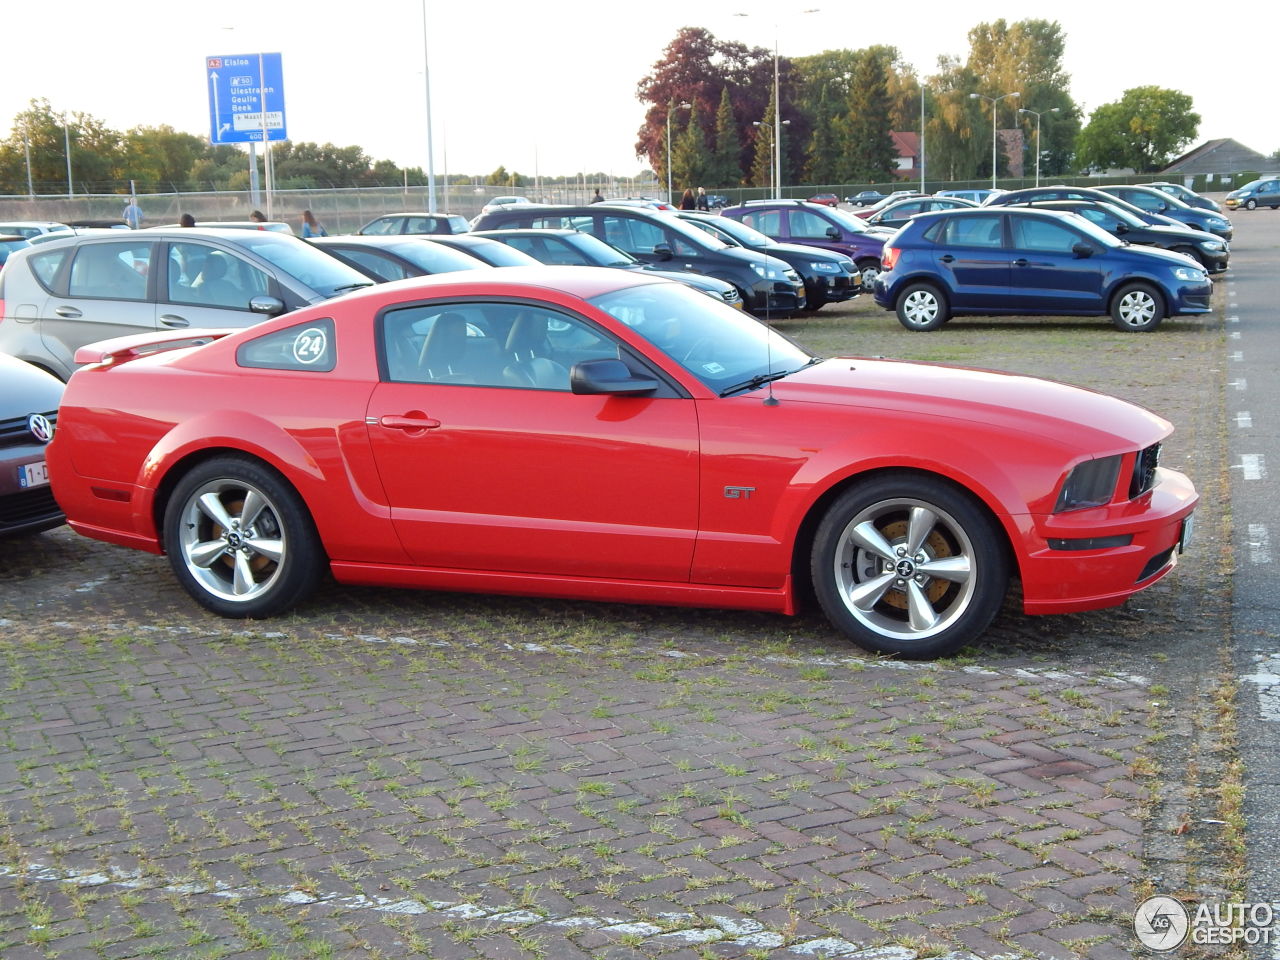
point(593, 434)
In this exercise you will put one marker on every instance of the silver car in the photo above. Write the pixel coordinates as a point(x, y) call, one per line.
point(28, 411)
point(63, 294)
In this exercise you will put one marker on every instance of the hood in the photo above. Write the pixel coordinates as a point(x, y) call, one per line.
point(1072, 416)
point(816, 254)
point(1168, 257)
point(752, 257)
point(26, 389)
point(1182, 233)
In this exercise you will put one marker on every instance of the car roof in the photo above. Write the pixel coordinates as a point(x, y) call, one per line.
point(528, 231)
point(510, 281)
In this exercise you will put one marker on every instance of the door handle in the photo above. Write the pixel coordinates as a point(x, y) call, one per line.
point(1020, 262)
point(409, 423)
point(71, 313)
point(173, 320)
point(946, 258)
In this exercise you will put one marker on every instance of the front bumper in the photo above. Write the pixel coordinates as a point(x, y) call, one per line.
point(1061, 574)
point(771, 297)
point(820, 288)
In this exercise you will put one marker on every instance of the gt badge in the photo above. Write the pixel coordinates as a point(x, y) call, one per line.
point(738, 493)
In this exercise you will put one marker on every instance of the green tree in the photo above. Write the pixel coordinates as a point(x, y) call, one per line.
point(726, 165)
point(690, 159)
point(762, 162)
point(870, 154)
point(161, 158)
point(1145, 129)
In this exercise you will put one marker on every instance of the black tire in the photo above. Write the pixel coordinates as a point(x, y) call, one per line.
point(922, 307)
point(1251, 204)
point(240, 540)
point(1137, 308)
point(909, 565)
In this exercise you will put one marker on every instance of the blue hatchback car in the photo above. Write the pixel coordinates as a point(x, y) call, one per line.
point(1004, 260)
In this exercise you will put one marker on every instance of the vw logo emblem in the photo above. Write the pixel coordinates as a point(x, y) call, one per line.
point(40, 427)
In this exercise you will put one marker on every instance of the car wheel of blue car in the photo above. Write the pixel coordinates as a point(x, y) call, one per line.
point(1251, 204)
point(922, 306)
point(909, 564)
point(1137, 308)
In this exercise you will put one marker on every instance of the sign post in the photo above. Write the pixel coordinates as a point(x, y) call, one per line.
point(246, 104)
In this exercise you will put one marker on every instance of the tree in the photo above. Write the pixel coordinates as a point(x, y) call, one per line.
point(690, 159)
point(870, 154)
point(726, 167)
point(160, 157)
point(762, 162)
point(1145, 129)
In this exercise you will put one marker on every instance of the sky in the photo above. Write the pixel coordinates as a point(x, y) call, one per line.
point(550, 88)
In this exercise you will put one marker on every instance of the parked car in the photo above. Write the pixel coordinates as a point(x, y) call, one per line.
point(978, 196)
point(794, 221)
point(28, 416)
point(1013, 260)
point(1209, 251)
point(1157, 201)
point(883, 202)
point(828, 277)
point(9, 243)
point(651, 203)
point(1254, 194)
point(717, 200)
point(570, 248)
point(865, 198)
point(33, 228)
point(1187, 195)
point(394, 258)
point(414, 223)
point(826, 199)
point(484, 249)
point(1060, 192)
point(60, 295)
point(502, 201)
point(606, 435)
point(767, 286)
point(272, 226)
point(894, 215)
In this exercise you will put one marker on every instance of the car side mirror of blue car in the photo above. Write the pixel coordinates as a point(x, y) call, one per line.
point(1082, 250)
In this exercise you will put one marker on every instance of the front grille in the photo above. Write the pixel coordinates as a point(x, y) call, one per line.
point(1144, 471)
point(731, 295)
point(28, 508)
point(15, 432)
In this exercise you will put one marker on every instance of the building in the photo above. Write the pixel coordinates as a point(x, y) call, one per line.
point(1219, 159)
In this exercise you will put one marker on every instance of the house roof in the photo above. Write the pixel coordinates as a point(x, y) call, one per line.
point(1222, 156)
point(907, 144)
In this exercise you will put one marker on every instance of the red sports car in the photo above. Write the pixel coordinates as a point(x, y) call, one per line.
point(554, 431)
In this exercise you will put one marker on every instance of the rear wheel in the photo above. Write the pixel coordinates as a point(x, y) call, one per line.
point(922, 307)
point(909, 565)
point(240, 539)
point(1137, 308)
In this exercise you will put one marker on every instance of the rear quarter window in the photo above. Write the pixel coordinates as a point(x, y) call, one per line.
point(305, 346)
point(45, 266)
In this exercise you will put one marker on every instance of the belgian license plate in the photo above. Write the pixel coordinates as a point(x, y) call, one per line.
point(1188, 530)
point(33, 474)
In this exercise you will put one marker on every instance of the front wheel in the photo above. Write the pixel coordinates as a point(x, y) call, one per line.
point(909, 565)
point(922, 307)
point(1137, 308)
point(240, 539)
point(868, 270)
point(1251, 204)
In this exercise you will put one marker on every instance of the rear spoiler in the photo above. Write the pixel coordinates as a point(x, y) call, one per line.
point(124, 349)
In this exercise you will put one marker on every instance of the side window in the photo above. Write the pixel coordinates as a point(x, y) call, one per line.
point(637, 237)
point(1100, 217)
point(681, 247)
point(1270, 186)
point(768, 222)
point(1044, 236)
point(981, 231)
point(488, 345)
point(308, 346)
point(206, 276)
point(46, 265)
point(116, 271)
point(555, 250)
point(807, 225)
point(1149, 203)
point(541, 223)
point(383, 226)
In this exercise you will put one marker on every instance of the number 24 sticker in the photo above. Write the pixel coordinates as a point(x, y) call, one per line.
point(310, 346)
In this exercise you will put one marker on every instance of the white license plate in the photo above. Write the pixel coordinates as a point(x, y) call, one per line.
point(33, 474)
point(1188, 530)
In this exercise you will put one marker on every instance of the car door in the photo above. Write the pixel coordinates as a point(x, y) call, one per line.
point(1269, 193)
point(1046, 271)
point(103, 293)
point(490, 462)
point(806, 226)
point(204, 285)
point(970, 254)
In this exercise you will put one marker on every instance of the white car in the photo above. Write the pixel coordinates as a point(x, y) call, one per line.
point(33, 228)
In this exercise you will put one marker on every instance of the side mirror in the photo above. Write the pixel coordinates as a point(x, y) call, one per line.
point(833, 233)
point(1122, 228)
point(271, 306)
point(662, 251)
point(1082, 250)
point(608, 376)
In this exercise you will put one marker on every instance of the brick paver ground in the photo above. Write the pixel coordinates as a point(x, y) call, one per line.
point(392, 774)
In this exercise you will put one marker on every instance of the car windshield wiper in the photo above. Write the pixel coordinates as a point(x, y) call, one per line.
point(760, 379)
point(353, 286)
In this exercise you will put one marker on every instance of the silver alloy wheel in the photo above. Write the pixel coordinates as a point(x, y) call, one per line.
point(1137, 308)
point(231, 540)
point(905, 569)
point(920, 306)
point(869, 274)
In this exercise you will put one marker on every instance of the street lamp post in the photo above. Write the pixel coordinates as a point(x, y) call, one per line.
point(775, 171)
point(683, 105)
point(995, 125)
point(1037, 116)
point(66, 139)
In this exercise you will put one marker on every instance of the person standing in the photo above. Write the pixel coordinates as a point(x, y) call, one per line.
point(258, 216)
point(686, 200)
point(597, 198)
point(132, 214)
point(702, 202)
point(311, 227)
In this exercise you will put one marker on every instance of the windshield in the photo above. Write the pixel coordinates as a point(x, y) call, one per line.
point(719, 345)
point(598, 253)
point(848, 220)
point(1124, 216)
point(747, 236)
point(326, 275)
point(435, 257)
point(1096, 233)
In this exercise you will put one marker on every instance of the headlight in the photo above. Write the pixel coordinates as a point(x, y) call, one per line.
point(1216, 222)
point(1213, 245)
point(1189, 275)
point(769, 273)
point(1089, 484)
point(825, 266)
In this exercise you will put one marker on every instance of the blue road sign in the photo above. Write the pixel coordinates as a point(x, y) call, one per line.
point(241, 88)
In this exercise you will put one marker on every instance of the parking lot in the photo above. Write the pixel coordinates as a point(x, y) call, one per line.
point(395, 774)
